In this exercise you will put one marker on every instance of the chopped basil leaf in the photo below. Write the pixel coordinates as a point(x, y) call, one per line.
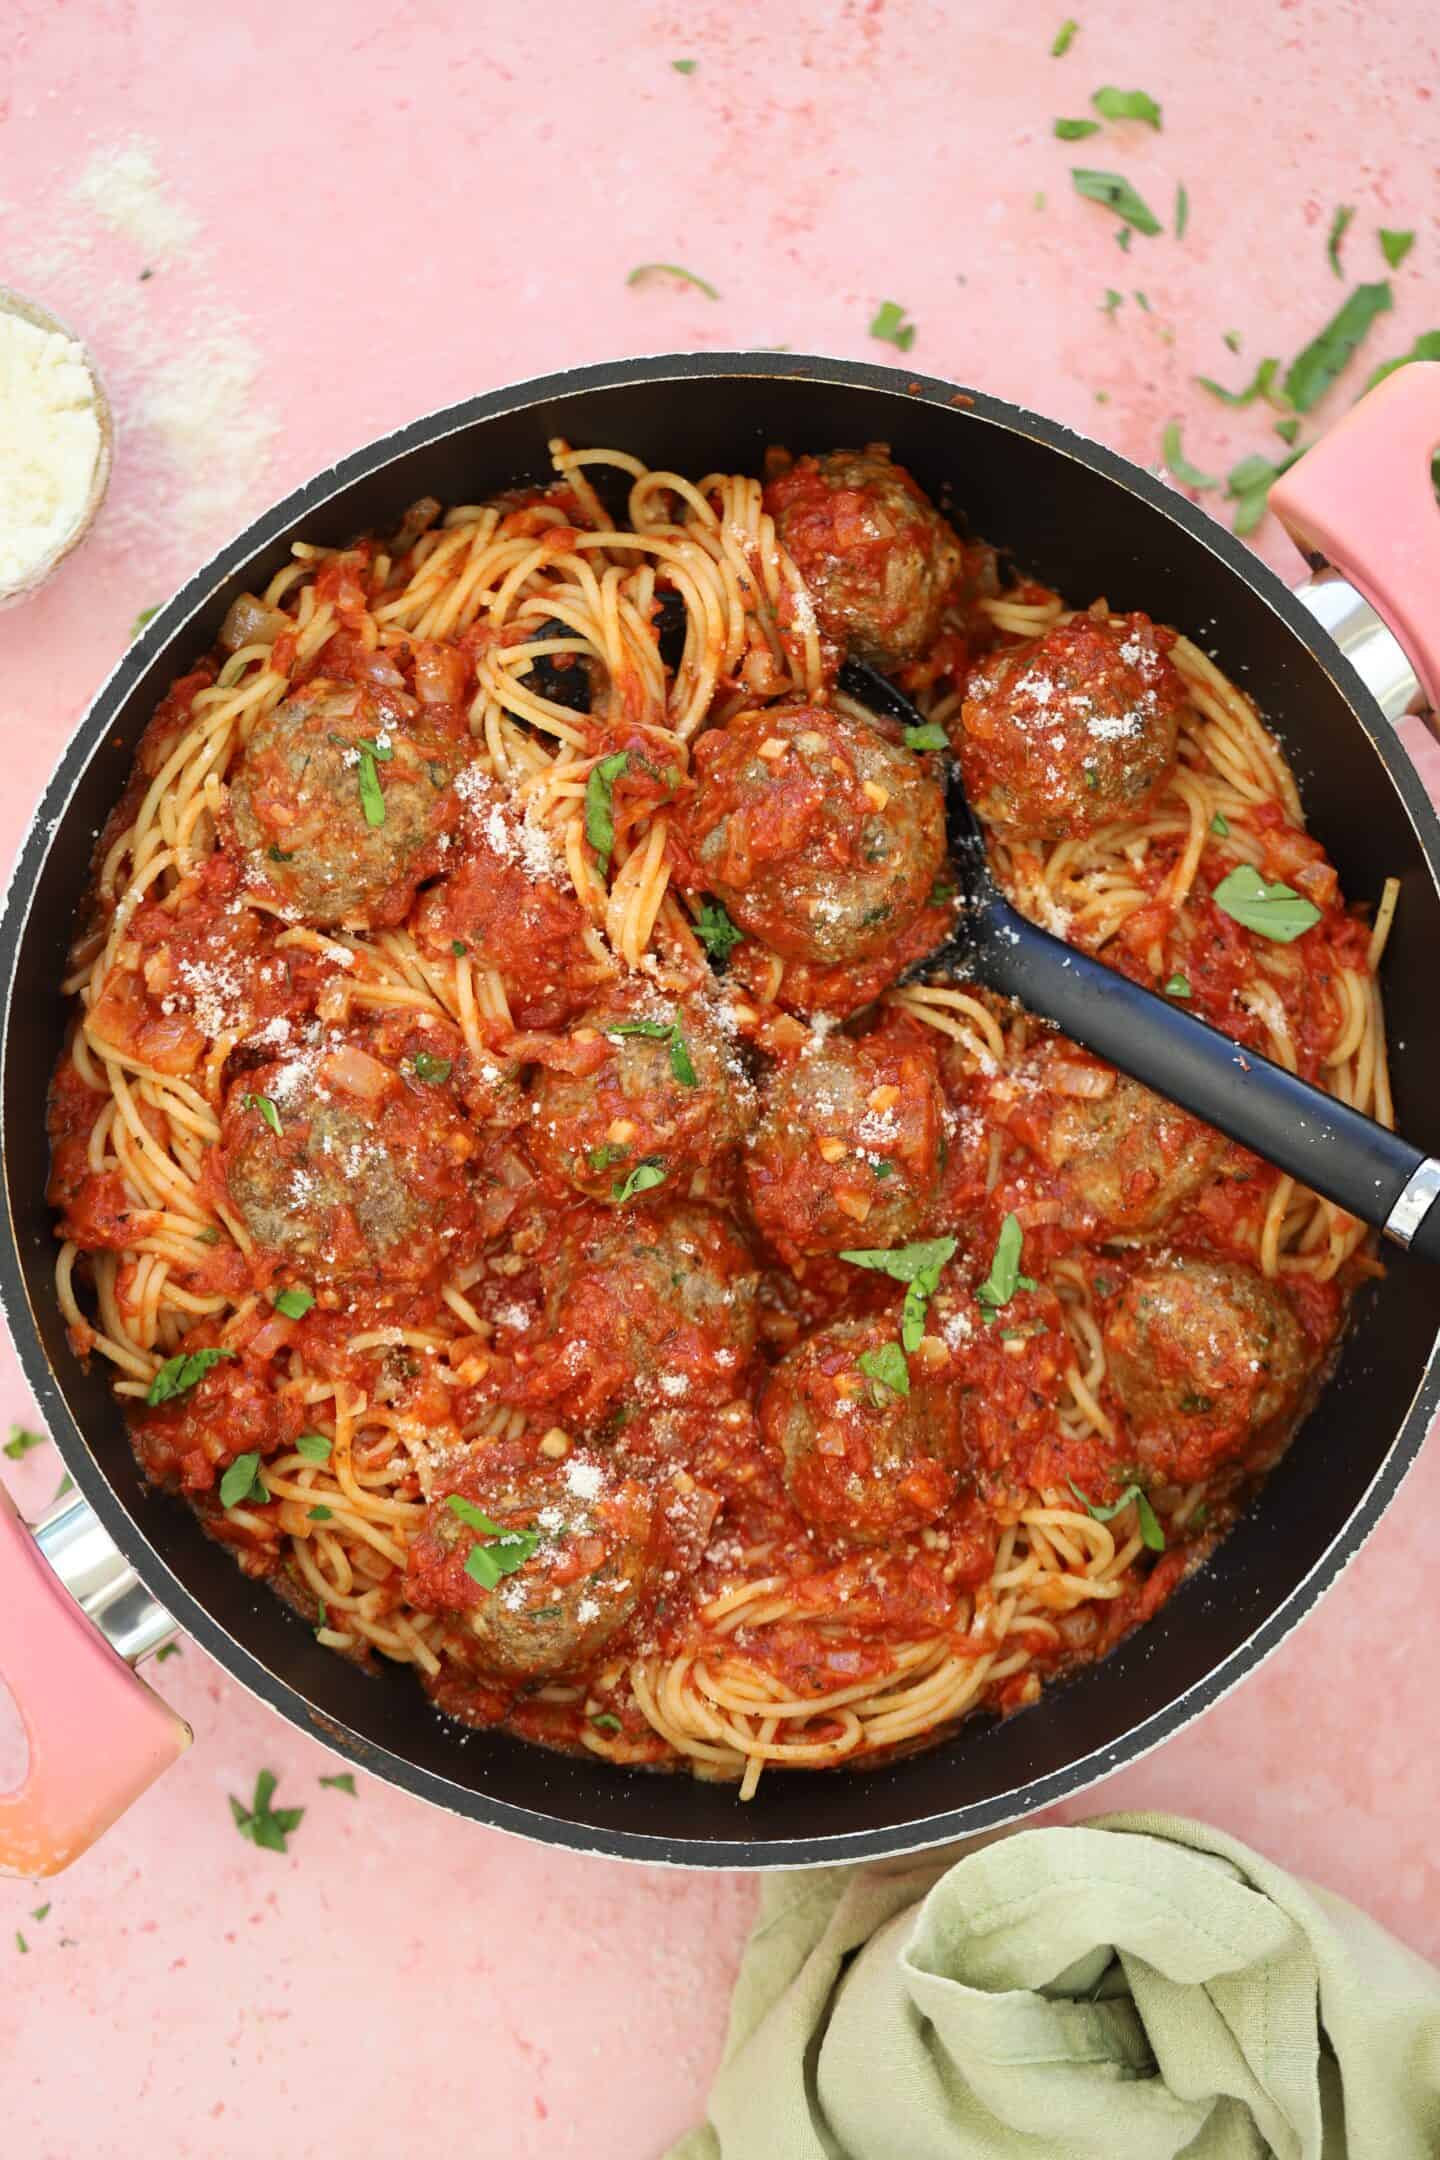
point(1232, 339)
point(1178, 986)
point(279, 854)
point(265, 1826)
point(644, 1177)
point(323, 1614)
point(20, 1443)
point(1220, 824)
point(295, 1302)
point(381, 752)
point(242, 1481)
point(604, 1721)
point(1123, 238)
point(489, 1564)
point(265, 1109)
point(459, 947)
point(474, 1518)
point(1426, 347)
point(929, 736)
point(148, 614)
point(169, 1649)
point(715, 931)
point(1151, 1533)
point(1258, 386)
point(1187, 474)
point(600, 1158)
point(644, 271)
point(890, 326)
point(1004, 1279)
point(343, 1781)
point(432, 1069)
point(21, 1945)
point(1310, 375)
point(684, 67)
point(1395, 246)
point(1250, 482)
point(1274, 911)
point(1127, 105)
point(681, 1063)
point(1287, 430)
point(1076, 130)
point(887, 1365)
point(1141, 301)
point(179, 1373)
point(66, 1484)
point(1113, 300)
point(372, 795)
point(652, 1030)
point(1116, 194)
point(1182, 210)
point(314, 1446)
point(1339, 226)
point(320, 1514)
point(41, 1912)
point(600, 805)
point(1064, 38)
point(905, 1263)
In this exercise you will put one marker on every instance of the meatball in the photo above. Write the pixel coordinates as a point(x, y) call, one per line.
point(643, 1308)
point(862, 1461)
point(1125, 1161)
point(823, 839)
point(341, 803)
point(584, 1540)
point(1202, 1353)
point(1071, 730)
point(344, 1166)
point(670, 1096)
point(507, 900)
point(850, 1145)
point(876, 557)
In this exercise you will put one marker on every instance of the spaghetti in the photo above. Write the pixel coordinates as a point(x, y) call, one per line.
point(487, 1052)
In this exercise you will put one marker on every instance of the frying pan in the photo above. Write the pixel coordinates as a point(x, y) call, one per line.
point(117, 1567)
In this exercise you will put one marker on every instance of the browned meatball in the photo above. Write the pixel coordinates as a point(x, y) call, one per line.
point(876, 557)
point(671, 1096)
point(1202, 1354)
point(345, 1166)
point(341, 802)
point(1126, 1160)
point(643, 1308)
point(574, 1555)
point(1073, 729)
point(850, 1146)
point(823, 839)
point(863, 1461)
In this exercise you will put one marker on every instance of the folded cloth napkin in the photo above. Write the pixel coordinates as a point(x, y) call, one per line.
point(1137, 1988)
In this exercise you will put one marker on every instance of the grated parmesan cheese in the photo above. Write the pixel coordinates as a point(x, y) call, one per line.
point(51, 444)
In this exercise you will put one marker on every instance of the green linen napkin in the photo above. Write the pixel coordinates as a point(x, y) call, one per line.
point(1137, 1988)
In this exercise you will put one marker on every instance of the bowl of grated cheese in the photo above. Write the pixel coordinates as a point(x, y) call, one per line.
point(55, 445)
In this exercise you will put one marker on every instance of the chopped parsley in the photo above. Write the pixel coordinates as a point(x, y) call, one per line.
point(167, 1650)
point(1187, 474)
point(1178, 986)
point(1395, 246)
point(917, 1266)
point(644, 1177)
point(929, 736)
point(148, 614)
point(1339, 226)
point(643, 272)
point(1076, 130)
point(1115, 104)
point(887, 1366)
point(21, 1442)
point(889, 324)
point(715, 931)
point(314, 1446)
point(1064, 38)
point(179, 1374)
point(294, 1303)
point(1273, 911)
point(432, 1069)
point(1116, 194)
point(1151, 1533)
point(1259, 385)
point(1312, 372)
point(604, 1721)
point(372, 795)
point(242, 1482)
point(1182, 210)
point(343, 1781)
point(600, 805)
point(265, 1109)
point(1004, 1279)
point(265, 1826)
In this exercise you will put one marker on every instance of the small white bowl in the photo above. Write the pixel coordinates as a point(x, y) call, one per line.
point(13, 303)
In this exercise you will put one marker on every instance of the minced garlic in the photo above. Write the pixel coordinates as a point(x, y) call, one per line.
point(51, 443)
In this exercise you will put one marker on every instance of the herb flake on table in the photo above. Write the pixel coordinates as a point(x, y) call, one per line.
point(1075, 130)
point(1259, 385)
point(600, 805)
point(643, 273)
point(1176, 461)
point(266, 1826)
point(1314, 369)
point(1064, 38)
point(1272, 910)
point(1339, 226)
point(1113, 301)
point(1249, 484)
point(1115, 193)
point(681, 67)
point(167, 1650)
point(343, 1781)
point(1127, 105)
point(146, 614)
point(180, 1373)
point(1151, 1533)
point(21, 1442)
point(1395, 246)
point(1425, 347)
point(890, 325)
point(1182, 210)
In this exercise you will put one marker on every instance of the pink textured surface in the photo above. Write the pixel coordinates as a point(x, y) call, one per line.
point(395, 209)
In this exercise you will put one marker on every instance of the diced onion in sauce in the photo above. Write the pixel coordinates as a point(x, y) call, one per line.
point(250, 622)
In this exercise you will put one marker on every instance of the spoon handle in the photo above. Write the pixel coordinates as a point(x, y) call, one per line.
point(1364, 1168)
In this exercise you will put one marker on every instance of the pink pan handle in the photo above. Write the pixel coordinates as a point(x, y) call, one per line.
point(1363, 500)
point(97, 1735)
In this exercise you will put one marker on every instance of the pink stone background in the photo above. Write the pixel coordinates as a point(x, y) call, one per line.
point(394, 208)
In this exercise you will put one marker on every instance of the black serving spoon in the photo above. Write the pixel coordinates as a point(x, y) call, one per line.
point(1370, 1172)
